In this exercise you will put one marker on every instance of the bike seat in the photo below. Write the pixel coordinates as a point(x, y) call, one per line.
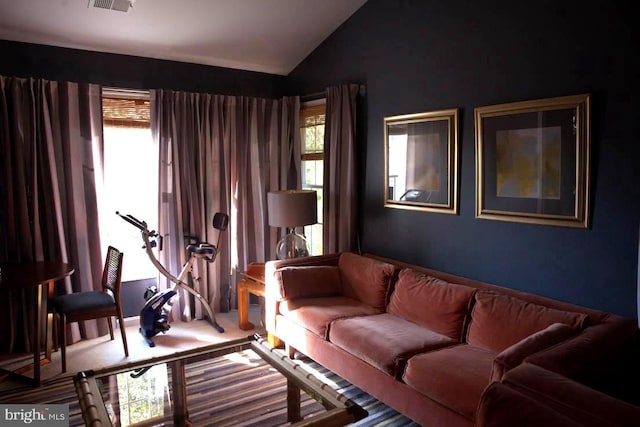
point(202, 249)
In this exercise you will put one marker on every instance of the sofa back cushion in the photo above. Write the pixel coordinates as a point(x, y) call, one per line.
point(309, 282)
point(433, 303)
point(499, 321)
point(366, 279)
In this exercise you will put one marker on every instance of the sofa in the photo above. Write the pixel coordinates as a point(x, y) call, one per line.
point(428, 343)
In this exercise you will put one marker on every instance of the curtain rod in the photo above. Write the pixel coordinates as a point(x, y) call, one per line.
point(313, 96)
point(116, 92)
point(318, 95)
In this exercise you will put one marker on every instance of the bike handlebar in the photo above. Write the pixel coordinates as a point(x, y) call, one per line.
point(133, 221)
point(142, 226)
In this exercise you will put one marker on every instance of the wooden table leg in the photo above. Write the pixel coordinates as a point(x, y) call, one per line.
point(273, 340)
point(179, 388)
point(243, 307)
point(49, 323)
point(293, 402)
point(37, 334)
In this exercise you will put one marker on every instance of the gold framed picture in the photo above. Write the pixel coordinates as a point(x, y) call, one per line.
point(421, 161)
point(533, 160)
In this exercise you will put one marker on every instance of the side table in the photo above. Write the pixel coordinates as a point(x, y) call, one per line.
point(41, 276)
point(252, 283)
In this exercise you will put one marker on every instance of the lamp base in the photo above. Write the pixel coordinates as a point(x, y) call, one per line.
point(292, 245)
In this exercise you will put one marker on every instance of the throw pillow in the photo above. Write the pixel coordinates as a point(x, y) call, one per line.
point(309, 282)
point(513, 356)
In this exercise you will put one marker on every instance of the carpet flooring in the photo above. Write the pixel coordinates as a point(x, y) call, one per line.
point(239, 389)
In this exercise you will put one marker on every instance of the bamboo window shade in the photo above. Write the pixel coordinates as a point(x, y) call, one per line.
point(119, 112)
point(310, 117)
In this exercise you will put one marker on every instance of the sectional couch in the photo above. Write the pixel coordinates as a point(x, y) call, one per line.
point(428, 343)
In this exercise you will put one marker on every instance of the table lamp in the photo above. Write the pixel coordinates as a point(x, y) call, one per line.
point(291, 209)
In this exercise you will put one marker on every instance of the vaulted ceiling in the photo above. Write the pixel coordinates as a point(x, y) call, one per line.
point(271, 36)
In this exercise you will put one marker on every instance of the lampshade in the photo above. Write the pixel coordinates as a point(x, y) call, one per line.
point(292, 208)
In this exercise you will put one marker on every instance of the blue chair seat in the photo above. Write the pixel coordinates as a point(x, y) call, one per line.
point(88, 305)
point(83, 301)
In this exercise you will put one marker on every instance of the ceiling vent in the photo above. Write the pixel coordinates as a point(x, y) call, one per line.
point(119, 5)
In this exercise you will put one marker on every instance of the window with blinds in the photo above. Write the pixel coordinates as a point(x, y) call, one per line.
point(130, 178)
point(312, 120)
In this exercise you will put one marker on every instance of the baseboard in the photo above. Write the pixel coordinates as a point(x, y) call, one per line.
point(130, 321)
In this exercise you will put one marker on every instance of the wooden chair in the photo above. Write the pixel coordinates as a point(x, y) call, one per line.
point(93, 304)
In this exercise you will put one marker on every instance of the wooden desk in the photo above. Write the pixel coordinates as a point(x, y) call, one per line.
point(19, 276)
point(252, 283)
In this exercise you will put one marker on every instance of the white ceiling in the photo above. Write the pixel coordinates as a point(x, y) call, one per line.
point(271, 36)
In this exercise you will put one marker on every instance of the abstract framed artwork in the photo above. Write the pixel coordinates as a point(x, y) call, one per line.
point(533, 160)
point(421, 161)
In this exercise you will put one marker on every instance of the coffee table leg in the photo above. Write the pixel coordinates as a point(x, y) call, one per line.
point(293, 402)
point(179, 387)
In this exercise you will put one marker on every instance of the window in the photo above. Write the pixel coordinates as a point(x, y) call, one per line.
point(142, 398)
point(312, 118)
point(130, 177)
point(131, 187)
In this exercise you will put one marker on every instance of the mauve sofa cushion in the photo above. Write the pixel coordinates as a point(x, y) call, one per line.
point(385, 341)
point(315, 314)
point(309, 282)
point(499, 321)
point(366, 279)
point(454, 376)
point(513, 356)
point(431, 302)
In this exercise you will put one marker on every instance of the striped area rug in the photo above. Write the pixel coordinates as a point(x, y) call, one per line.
point(239, 389)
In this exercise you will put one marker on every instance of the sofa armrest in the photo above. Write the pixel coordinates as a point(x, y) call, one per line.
point(513, 356)
point(584, 405)
point(603, 356)
point(273, 289)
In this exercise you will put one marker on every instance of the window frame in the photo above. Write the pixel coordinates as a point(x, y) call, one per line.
point(307, 110)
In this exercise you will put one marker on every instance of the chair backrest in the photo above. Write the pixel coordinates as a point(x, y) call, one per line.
point(112, 273)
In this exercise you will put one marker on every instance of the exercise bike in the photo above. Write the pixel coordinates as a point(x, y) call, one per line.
point(154, 316)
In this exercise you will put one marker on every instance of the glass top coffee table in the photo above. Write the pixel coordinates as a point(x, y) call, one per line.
point(177, 390)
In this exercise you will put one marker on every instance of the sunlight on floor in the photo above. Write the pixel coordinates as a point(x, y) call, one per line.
point(243, 358)
point(101, 352)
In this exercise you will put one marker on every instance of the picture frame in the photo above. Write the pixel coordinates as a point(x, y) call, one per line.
point(421, 161)
point(533, 161)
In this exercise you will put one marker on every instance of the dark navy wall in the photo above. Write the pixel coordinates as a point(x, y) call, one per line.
point(53, 63)
point(426, 55)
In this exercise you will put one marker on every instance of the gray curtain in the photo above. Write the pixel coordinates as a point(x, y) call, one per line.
point(220, 154)
point(50, 134)
point(340, 198)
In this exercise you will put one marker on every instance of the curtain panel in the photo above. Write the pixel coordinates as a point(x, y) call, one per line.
point(50, 134)
point(220, 154)
point(217, 154)
point(340, 186)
